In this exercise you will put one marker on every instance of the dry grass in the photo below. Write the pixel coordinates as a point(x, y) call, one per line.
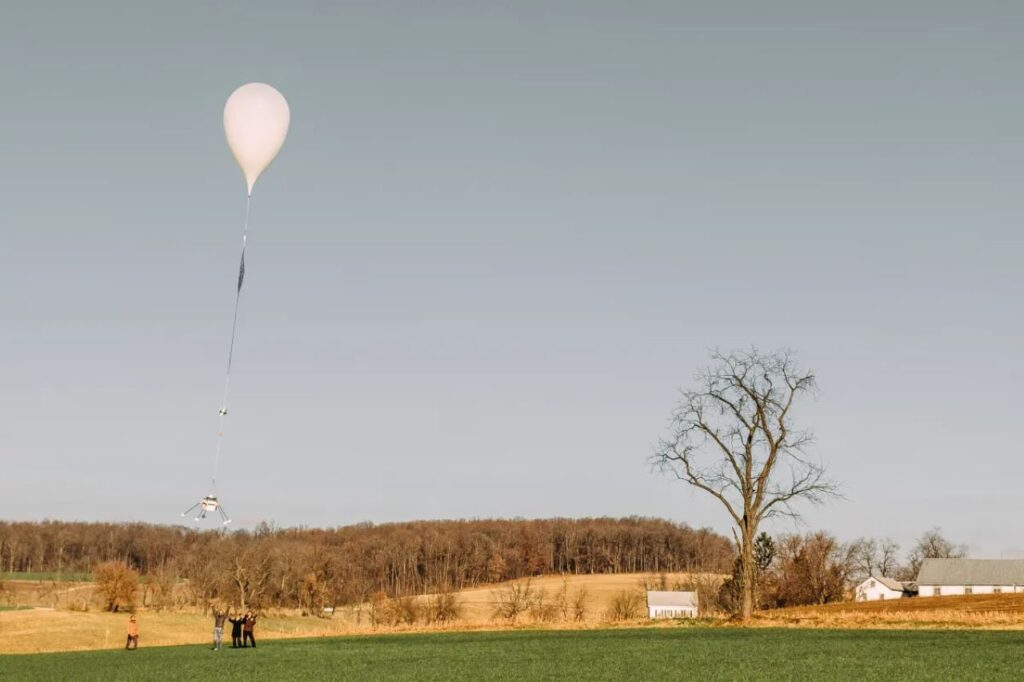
point(480, 603)
point(63, 629)
point(48, 593)
point(989, 611)
point(41, 630)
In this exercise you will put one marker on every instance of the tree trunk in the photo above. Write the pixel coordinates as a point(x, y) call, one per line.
point(747, 578)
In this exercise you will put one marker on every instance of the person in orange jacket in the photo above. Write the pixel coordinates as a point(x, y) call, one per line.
point(133, 634)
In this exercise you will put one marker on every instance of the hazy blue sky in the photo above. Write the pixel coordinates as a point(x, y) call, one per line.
point(499, 238)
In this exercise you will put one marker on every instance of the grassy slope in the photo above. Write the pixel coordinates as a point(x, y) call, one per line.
point(682, 653)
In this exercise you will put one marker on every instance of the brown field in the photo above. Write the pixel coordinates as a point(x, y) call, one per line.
point(478, 603)
point(67, 627)
point(992, 611)
point(45, 593)
point(64, 629)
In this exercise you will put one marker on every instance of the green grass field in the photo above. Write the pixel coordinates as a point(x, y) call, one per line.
point(639, 654)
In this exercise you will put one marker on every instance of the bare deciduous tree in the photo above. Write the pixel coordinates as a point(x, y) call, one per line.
point(443, 607)
point(513, 600)
point(879, 558)
point(889, 557)
point(810, 569)
point(734, 438)
point(579, 604)
point(625, 605)
point(117, 584)
point(159, 589)
point(250, 574)
point(931, 545)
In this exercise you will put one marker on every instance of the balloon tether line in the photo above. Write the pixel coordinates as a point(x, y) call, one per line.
point(231, 346)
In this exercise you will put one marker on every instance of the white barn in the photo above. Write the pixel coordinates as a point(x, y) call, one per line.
point(942, 577)
point(875, 588)
point(672, 604)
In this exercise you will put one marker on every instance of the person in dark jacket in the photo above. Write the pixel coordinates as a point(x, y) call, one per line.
point(236, 630)
point(247, 628)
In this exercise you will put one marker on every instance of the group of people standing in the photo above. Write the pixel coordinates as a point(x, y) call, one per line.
point(242, 628)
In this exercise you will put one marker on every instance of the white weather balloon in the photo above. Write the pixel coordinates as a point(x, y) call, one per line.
point(256, 121)
point(256, 118)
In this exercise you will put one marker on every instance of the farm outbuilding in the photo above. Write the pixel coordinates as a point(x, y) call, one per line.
point(672, 604)
point(875, 588)
point(942, 577)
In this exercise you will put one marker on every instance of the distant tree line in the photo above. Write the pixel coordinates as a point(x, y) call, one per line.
point(815, 568)
point(315, 568)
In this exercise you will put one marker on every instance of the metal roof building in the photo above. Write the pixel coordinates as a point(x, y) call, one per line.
point(940, 577)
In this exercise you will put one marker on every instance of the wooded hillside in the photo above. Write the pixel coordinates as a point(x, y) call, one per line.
point(309, 567)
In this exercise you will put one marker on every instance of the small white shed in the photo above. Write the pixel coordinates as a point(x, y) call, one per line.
point(672, 604)
point(879, 587)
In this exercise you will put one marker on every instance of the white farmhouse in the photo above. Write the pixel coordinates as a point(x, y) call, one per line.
point(672, 604)
point(941, 577)
point(880, 587)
